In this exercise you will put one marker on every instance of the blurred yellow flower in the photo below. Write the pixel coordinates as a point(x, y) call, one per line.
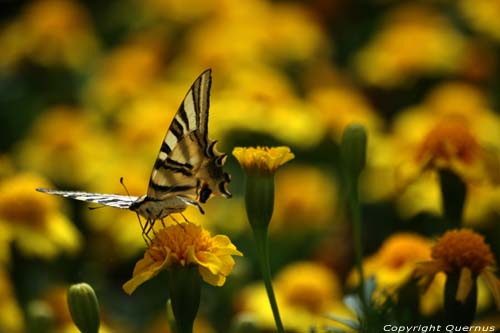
point(11, 316)
point(143, 122)
point(67, 145)
point(454, 128)
point(305, 292)
point(262, 160)
point(392, 57)
point(63, 37)
point(339, 106)
point(37, 226)
point(313, 206)
point(461, 252)
point(256, 31)
point(393, 265)
point(265, 100)
point(482, 15)
point(183, 245)
point(126, 72)
point(178, 11)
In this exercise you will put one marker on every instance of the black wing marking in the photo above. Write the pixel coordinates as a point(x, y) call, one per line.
point(112, 200)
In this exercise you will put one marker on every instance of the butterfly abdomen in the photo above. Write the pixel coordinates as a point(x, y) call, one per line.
point(154, 209)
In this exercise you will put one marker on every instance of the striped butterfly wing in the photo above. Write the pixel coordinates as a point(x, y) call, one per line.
point(182, 152)
point(112, 200)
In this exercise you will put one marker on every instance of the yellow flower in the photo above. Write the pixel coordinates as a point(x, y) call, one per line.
point(317, 197)
point(393, 264)
point(34, 220)
point(461, 252)
point(266, 100)
point(64, 36)
point(391, 58)
point(454, 128)
point(126, 72)
point(338, 106)
point(305, 291)
point(262, 160)
point(67, 145)
point(184, 245)
point(482, 16)
point(11, 317)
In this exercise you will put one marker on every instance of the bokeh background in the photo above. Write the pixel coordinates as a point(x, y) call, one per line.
point(88, 89)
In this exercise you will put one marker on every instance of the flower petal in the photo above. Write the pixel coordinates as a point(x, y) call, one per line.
point(144, 270)
point(465, 284)
point(492, 282)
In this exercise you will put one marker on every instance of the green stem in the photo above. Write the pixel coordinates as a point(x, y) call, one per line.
point(185, 290)
point(261, 240)
point(453, 195)
point(358, 239)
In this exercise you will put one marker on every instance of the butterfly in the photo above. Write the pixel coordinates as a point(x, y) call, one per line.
point(188, 169)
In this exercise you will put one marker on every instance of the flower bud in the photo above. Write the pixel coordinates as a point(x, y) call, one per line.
point(353, 150)
point(84, 307)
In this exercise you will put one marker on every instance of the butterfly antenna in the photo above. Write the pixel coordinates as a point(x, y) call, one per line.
point(96, 207)
point(125, 187)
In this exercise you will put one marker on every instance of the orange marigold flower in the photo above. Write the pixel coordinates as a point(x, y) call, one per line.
point(461, 252)
point(262, 159)
point(183, 245)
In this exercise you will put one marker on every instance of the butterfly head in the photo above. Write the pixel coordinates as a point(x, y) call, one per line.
point(216, 180)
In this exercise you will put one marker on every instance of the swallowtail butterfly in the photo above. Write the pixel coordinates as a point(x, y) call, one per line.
point(187, 171)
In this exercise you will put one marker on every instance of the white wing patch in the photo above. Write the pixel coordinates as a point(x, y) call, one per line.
point(190, 111)
point(112, 200)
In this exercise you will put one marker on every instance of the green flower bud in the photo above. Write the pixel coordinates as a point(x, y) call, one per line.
point(353, 150)
point(84, 307)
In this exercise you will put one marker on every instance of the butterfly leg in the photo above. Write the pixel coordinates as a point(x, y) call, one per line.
point(185, 219)
point(174, 219)
point(147, 229)
point(144, 233)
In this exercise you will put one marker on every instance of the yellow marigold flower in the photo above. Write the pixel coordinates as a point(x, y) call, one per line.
point(461, 252)
point(262, 160)
point(313, 294)
point(126, 72)
point(393, 264)
point(305, 291)
point(339, 106)
point(453, 128)
point(266, 100)
point(317, 197)
point(36, 225)
point(11, 317)
point(391, 58)
point(63, 145)
point(64, 36)
point(183, 245)
point(482, 16)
